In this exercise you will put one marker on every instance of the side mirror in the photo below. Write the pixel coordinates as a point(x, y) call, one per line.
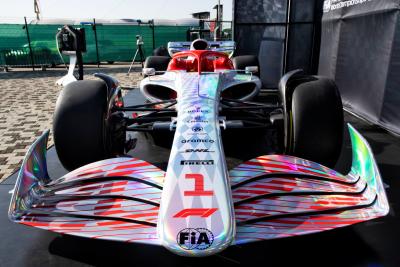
point(149, 71)
point(251, 69)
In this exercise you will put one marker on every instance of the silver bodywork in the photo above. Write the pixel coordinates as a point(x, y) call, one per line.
point(197, 119)
point(197, 129)
point(175, 80)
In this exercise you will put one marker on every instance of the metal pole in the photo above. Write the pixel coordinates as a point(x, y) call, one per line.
point(287, 32)
point(29, 43)
point(218, 10)
point(233, 22)
point(95, 39)
point(79, 61)
point(218, 19)
point(154, 35)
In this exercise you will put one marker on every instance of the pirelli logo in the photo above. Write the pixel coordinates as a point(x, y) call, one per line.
point(197, 162)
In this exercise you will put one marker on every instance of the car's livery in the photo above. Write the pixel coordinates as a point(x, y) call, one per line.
point(198, 207)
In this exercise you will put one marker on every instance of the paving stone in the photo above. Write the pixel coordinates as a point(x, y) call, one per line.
point(27, 105)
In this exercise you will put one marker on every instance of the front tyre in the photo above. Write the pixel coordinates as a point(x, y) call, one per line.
point(79, 124)
point(315, 121)
point(158, 63)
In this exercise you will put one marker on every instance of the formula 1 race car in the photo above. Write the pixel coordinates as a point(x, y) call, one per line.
point(197, 206)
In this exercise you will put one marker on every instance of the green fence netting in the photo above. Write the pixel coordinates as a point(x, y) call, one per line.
point(118, 43)
point(114, 42)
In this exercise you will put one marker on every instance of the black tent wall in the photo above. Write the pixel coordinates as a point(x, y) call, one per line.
point(360, 49)
point(284, 34)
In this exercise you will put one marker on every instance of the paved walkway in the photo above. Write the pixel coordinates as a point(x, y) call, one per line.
point(27, 104)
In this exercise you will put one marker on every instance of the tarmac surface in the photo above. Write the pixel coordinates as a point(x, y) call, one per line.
point(28, 99)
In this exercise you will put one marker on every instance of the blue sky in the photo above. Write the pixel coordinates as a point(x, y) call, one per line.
point(107, 9)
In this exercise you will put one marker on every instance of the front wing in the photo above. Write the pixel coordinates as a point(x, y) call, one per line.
point(273, 196)
point(283, 196)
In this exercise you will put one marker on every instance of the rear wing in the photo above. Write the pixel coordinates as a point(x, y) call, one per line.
point(227, 47)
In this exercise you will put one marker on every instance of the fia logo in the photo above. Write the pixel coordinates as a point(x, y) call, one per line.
point(195, 238)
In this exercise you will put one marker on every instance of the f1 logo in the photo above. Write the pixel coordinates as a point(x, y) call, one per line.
point(204, 213)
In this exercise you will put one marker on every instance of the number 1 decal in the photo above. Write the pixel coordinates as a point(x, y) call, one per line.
point(198, 186)
point(198, 191)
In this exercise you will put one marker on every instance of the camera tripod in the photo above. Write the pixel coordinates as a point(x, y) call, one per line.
point(139, 51)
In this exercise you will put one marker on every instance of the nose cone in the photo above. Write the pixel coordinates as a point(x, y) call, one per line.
point(196, 220)
point(196, 215)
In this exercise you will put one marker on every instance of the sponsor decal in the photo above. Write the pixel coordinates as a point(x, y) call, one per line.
point(199, 119)
point(197, 162)
point(327, 6)
point(193, 141)
point(197, 129)
point(195, 238)
point(330, 5)
point(198, 110)
point(204, 213)
point(197, 150)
